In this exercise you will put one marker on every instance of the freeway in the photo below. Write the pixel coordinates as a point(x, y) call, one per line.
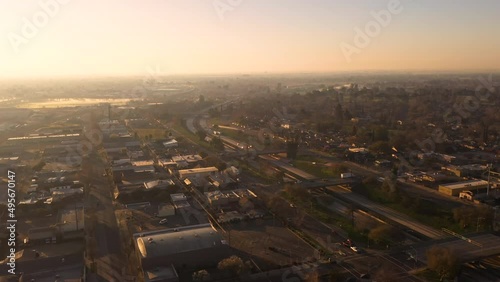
point(289, 168)
point(465, 251)
point(410, 187)
point(385, 212)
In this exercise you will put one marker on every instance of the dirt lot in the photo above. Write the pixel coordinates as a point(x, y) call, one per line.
point(255, 238)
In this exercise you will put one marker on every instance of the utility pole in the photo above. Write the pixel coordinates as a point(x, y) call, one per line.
point(489, 174)
point(477, 226)
point(76, 218)
point(495, 219)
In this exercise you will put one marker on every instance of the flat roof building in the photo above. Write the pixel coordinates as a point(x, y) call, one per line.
point(186, 247)
point(454, 189)
point(197, 172)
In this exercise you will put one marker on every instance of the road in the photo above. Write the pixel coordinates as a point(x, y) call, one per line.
point(485, 270)
point(411, 188)
point(385, 212)
point(295, 171)
point(108, 254)
point(464, 250)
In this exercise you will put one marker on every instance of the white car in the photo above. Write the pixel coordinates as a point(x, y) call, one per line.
point(355, 249)
point(163, 221)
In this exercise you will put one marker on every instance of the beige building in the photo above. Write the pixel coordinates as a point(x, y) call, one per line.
point(197, 172)
point(454, 189)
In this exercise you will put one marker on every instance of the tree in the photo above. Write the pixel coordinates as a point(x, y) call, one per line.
point(201, 135)
point(233, 265)
point(217, 144)
point(201, 275)
point(381, 133)
point(221, 166)
point(380, 147)
point(387, 274)
point(297, 192)
point(443, 261)
point(382, 233)
point(39, 166)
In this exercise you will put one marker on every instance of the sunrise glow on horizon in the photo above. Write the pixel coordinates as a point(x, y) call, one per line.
point(249, 36)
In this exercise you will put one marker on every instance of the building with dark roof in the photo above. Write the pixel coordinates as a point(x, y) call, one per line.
point(188, 247)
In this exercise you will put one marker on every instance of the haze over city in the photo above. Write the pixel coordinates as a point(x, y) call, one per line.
point(249, 140)
point(93, 38)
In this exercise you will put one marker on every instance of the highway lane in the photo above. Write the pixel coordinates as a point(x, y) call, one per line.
point(485, 270)
point(464, 250)
point(410, 187)
point(373, 264)
point(387, 213)
point(289, 168)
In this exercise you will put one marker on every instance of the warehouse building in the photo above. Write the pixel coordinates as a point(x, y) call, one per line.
point(454, 189)
point(197, 172)
point(189, 247)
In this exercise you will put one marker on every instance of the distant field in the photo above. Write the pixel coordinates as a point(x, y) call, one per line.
point(155, 133)
point(58, 103)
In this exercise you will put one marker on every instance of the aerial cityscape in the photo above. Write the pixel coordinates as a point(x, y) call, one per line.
point(224, 140)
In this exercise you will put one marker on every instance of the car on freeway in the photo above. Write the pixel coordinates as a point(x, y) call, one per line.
point(348, 243)
point(163, 221)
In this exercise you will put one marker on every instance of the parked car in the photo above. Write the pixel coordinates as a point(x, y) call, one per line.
point(355, 249)
point(163, 221)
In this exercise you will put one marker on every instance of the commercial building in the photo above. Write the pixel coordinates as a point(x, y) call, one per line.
point(189, 247)
point(165, 210)
point(72, 223)
point(197, 172)
point(171, 143)
point(42, 235)
point(472, 170)
point(180, 203)
point(163, 274)
point(186, 160)
point(454, 189)
point(143, 166)
point(158, 184)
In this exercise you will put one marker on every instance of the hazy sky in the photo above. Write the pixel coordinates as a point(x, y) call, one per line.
point(122, 37)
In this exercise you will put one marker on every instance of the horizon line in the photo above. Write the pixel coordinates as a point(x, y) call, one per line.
point(265, 73)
